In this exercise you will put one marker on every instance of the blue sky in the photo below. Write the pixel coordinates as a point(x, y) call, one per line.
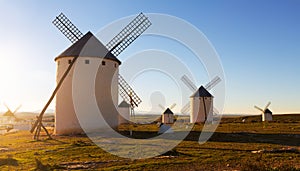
point(257, 41)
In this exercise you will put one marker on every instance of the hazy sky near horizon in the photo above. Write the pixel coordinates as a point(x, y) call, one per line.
point(257, 42)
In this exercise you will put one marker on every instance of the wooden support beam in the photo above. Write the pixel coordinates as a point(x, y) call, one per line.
point(38, 123)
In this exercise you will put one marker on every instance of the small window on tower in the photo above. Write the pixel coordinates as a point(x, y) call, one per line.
point(115, 65)
point(87, 61)
point(58, 62)
point(69, 61)
point(103, 62)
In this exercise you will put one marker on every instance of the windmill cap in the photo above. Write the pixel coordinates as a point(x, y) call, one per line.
point(168, 111)
point(268, 111)
point(124, 104)
point(88, 46)
point(9, 113)
point(201, 92)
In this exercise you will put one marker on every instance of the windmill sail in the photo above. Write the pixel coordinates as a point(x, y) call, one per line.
point(263, 110)
point(161, 106)
point(67, 28)
point(128, 34)
point(189, 83)
point(127, 93)
point(258, 108)
point(164, 108)
point(186, 108)
point(172, 106)
point(269, 103)
point(212, 83)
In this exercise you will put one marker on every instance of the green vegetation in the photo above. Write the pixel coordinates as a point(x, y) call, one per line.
point(236, 145)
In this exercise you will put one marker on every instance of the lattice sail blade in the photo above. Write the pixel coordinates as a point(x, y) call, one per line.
point(132, 31)
point(186, 109)
point(172, 106)
point(18, 108)
point(67, 28)
point(7, 107)
point(216, 111)
point(212, 83)
point(189, 83)
point(269, 103)
point(127, 93)
point(162, 107)
point(258, 108)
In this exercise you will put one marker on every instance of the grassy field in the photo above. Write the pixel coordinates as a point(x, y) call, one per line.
point(236, 145)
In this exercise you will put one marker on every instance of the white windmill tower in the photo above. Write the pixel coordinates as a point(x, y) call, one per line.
point(168, 115)
point(88, 50)
point(124, 110)
point(201, 102)
point(266, 114)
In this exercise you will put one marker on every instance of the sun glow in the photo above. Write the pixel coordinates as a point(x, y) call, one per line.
point(10, 84)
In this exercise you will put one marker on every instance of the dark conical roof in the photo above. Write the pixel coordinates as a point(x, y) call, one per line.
point(124, 104)
point(201, 92)
point(268, 111)
point(168, 111)
point(88, 46)
point(9, 113)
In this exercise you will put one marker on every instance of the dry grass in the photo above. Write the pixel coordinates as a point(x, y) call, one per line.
point(228, 149)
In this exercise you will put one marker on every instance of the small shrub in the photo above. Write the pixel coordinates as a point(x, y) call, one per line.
point(80, 143)
point(41, 167)
point(8, 162)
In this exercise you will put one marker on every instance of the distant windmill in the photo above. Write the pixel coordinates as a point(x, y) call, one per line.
point(201, 101)
point(65, 114)
point(9, 114)
point(124, 110)
point(266, 112)
point(128, 95)
point(168, 115)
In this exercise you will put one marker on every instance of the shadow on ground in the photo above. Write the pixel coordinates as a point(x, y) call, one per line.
point(242, 137)
point(8, 162)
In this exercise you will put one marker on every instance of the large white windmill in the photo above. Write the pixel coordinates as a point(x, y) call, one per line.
point(168, 115)
point(87, 50)
point(201, 102)
point(266, 114)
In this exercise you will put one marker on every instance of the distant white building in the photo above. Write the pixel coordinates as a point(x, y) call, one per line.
point(168, 116)
point(124, 112)
point(91, 52)
point(201, 103)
